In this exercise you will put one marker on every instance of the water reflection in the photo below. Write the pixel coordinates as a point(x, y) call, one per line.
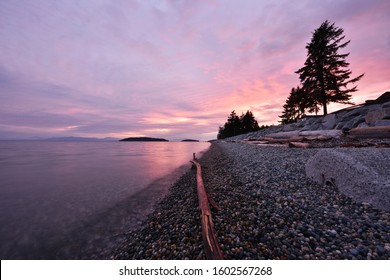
point(54, 192)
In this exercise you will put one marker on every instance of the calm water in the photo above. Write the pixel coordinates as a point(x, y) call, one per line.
point(76, 199)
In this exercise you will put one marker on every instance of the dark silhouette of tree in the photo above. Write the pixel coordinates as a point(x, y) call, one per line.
point(293, 108)
point(296, 105)
point(238, 125)
point(231, 127)
point(248, 123)
point(325, 76)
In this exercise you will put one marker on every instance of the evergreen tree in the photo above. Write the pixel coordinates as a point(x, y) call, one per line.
point(248, 122)
point(231, 128)
point(325, 76)
point(295, 106)
point(237, 125)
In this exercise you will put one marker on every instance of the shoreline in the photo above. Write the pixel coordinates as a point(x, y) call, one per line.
point(269, 210)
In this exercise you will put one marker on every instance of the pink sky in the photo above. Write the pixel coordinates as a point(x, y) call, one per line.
point(171, 69)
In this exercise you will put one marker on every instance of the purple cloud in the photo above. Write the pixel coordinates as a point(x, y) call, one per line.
point(165, 68)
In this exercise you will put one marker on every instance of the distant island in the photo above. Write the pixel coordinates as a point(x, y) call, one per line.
point(144, 139)
point(189, 140)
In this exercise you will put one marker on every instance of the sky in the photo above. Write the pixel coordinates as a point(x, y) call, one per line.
point(169, 68)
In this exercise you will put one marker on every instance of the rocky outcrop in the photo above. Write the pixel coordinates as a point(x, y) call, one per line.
point(369, 114)
point(372, 113)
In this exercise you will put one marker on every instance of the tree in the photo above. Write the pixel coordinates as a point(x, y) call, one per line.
point(325, 76)
point(237, 125)
point(296, 104)
point(231, 127)
point(248, 123)
point(293, 108)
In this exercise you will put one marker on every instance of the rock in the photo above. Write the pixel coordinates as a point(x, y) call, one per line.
point(353, 113)
point(386, 105)
point(361, 174)
point(377, 115)
point(329, 121)
point(363, 125)
point(354, 252)
point(313, 126)
point(380, 249)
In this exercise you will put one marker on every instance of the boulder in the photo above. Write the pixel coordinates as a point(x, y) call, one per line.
point(329, 121)
point(359, 111)
point(374, 116)
point(361, 174)
point(386, 105)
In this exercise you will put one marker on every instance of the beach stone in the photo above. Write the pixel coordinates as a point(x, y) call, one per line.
point(361, 174)
point(380, 249)
point(354, 252)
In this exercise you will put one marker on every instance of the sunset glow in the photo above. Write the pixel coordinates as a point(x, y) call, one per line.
point(171, 69)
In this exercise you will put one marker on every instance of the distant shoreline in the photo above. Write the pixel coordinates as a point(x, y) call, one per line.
point(144, 139)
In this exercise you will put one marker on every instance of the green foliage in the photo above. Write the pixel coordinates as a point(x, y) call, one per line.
point(238, 125)
point(325, 76)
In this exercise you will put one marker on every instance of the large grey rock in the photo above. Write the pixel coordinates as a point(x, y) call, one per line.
point(386, 105)
point(329, 121)
point(377, 115)
point(359, 111)
point(362, 174)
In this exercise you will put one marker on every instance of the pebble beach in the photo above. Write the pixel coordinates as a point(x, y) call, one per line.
point(269, 209)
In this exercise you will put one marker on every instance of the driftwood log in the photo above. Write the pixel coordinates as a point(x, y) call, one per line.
point(210, 243)
point(371, 132)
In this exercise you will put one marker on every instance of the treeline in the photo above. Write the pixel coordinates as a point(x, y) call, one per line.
point(236, 125)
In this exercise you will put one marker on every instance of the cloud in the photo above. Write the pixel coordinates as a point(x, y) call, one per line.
point(168, 68)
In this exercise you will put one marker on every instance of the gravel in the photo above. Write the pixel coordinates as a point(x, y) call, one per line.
point(269, 210)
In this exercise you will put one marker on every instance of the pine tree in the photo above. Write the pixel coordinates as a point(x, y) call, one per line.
point(325, 76)
point(296, 104)
point(248, 122)
point(231, 128)
point(238, 125)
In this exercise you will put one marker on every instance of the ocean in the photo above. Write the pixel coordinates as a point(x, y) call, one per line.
point(77, 200)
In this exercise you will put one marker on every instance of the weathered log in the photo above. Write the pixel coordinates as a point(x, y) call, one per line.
point(331, 133)
point(210, 243)
point(298, 145)
point(283, 140)
point(283, 134)
point(284, 145)
point(213, 203)
point(371, 132)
